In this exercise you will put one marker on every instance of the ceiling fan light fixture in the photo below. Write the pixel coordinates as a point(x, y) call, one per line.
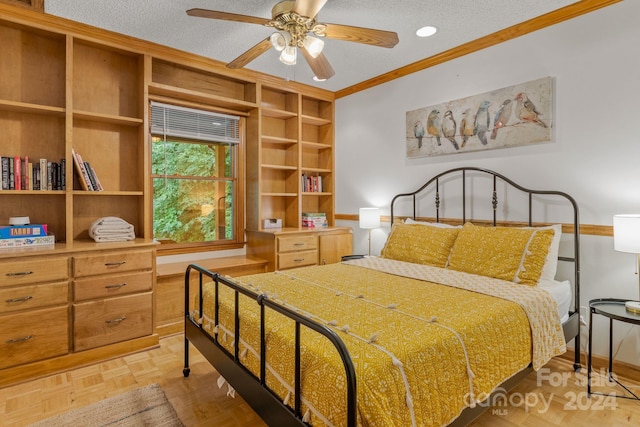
point(427, 31)
point(318, 79)
point(288, 55)
point(278, 41)
point(313, 45)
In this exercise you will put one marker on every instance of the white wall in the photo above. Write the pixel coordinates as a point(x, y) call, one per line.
point(594, 61)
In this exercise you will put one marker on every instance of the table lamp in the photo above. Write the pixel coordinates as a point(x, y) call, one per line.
point(626, 238)
point(369, 219)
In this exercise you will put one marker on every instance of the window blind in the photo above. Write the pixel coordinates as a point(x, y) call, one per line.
point(183, 122)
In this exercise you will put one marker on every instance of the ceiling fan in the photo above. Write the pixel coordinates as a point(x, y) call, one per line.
point(297, 27)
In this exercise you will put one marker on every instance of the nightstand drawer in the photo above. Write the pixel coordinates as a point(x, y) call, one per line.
point(114, 262)
point(111, 320)
point(34, 296)
point(111, 286)
point(297, 259)
point(35, 270)
point(34, 335)
point(297, 243)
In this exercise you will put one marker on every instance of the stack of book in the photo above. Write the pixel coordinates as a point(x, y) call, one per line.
point(314, 219)
point(16, 236)
point(311, 183)
point(20, 173)
point(86, 174)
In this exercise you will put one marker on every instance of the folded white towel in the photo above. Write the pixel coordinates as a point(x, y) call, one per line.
point(119, 230)
point(116, 238)
point(111, 229)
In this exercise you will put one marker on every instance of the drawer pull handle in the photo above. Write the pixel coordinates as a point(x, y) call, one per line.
point(114, 264)
point(17, 340)
point(20, 273)
point(298, 244)
point(27, 298)
point(116, 286)
point(298, 260)
point(114, 321)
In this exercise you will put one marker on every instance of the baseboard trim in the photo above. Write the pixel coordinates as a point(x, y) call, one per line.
point(622, 369)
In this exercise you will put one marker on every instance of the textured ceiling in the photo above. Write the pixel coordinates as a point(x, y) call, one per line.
point(165, 22)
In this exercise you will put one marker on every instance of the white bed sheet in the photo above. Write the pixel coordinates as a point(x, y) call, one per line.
point(562, 293)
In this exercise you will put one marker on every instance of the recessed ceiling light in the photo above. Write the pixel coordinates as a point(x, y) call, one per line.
point(426, 31)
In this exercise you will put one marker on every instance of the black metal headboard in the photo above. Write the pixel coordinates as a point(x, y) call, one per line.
point(462, 173)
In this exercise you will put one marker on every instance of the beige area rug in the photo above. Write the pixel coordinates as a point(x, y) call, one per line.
point(146, 406)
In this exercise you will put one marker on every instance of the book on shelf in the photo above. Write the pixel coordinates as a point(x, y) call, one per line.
point(50, 175)
point(63, 174)
point(21, 231)
point(20, 242)
point(6, 171)
point(83, 177)
point(29, 177)
point(17, 173)
point(42, 173)
point(25, 172)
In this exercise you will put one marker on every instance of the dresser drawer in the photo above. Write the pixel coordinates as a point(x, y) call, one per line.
point(33, 296)
point(297, 259)
point(297, 243)
point(110, 286)
point(34, 270)
point(111, 320)
point(112, 262)
point(34, 335)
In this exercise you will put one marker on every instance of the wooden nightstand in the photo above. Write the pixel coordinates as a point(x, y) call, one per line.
point(614, 309)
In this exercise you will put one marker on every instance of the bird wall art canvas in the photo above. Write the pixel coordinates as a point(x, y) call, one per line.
point(509, 117)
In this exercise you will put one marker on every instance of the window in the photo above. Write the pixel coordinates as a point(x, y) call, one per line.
point(194, 168)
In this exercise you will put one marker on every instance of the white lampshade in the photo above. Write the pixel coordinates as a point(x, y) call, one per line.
point(369, 218)
point(288, 55)
point(313, 45)
point(626, 233)
point(278, 41)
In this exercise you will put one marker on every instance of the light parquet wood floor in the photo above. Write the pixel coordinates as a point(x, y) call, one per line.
point(553, 397)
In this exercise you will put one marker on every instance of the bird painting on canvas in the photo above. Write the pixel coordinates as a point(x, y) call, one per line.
point(507, 117)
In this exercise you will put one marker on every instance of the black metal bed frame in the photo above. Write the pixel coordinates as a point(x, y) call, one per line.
point(265, 401)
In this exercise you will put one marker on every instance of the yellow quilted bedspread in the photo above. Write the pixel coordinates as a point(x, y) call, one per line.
point(422, 351)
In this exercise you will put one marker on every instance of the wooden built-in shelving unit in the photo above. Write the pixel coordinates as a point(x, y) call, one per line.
point(68, 86)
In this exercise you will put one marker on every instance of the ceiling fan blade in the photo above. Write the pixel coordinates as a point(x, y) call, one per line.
point(362, 35)
point(250, 55)
point(319, 65)
point(214, 14)
point(308, 8)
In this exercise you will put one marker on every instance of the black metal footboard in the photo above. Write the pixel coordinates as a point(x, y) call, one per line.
point(251, 387)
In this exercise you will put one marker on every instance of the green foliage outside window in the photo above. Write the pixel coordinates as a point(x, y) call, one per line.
point(193, 186)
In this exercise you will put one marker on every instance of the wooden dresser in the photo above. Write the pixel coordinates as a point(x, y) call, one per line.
point(298, 247)
point(64, 307)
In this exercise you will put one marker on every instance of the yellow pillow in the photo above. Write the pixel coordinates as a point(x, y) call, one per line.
point(507, 253)
point(420, 244)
